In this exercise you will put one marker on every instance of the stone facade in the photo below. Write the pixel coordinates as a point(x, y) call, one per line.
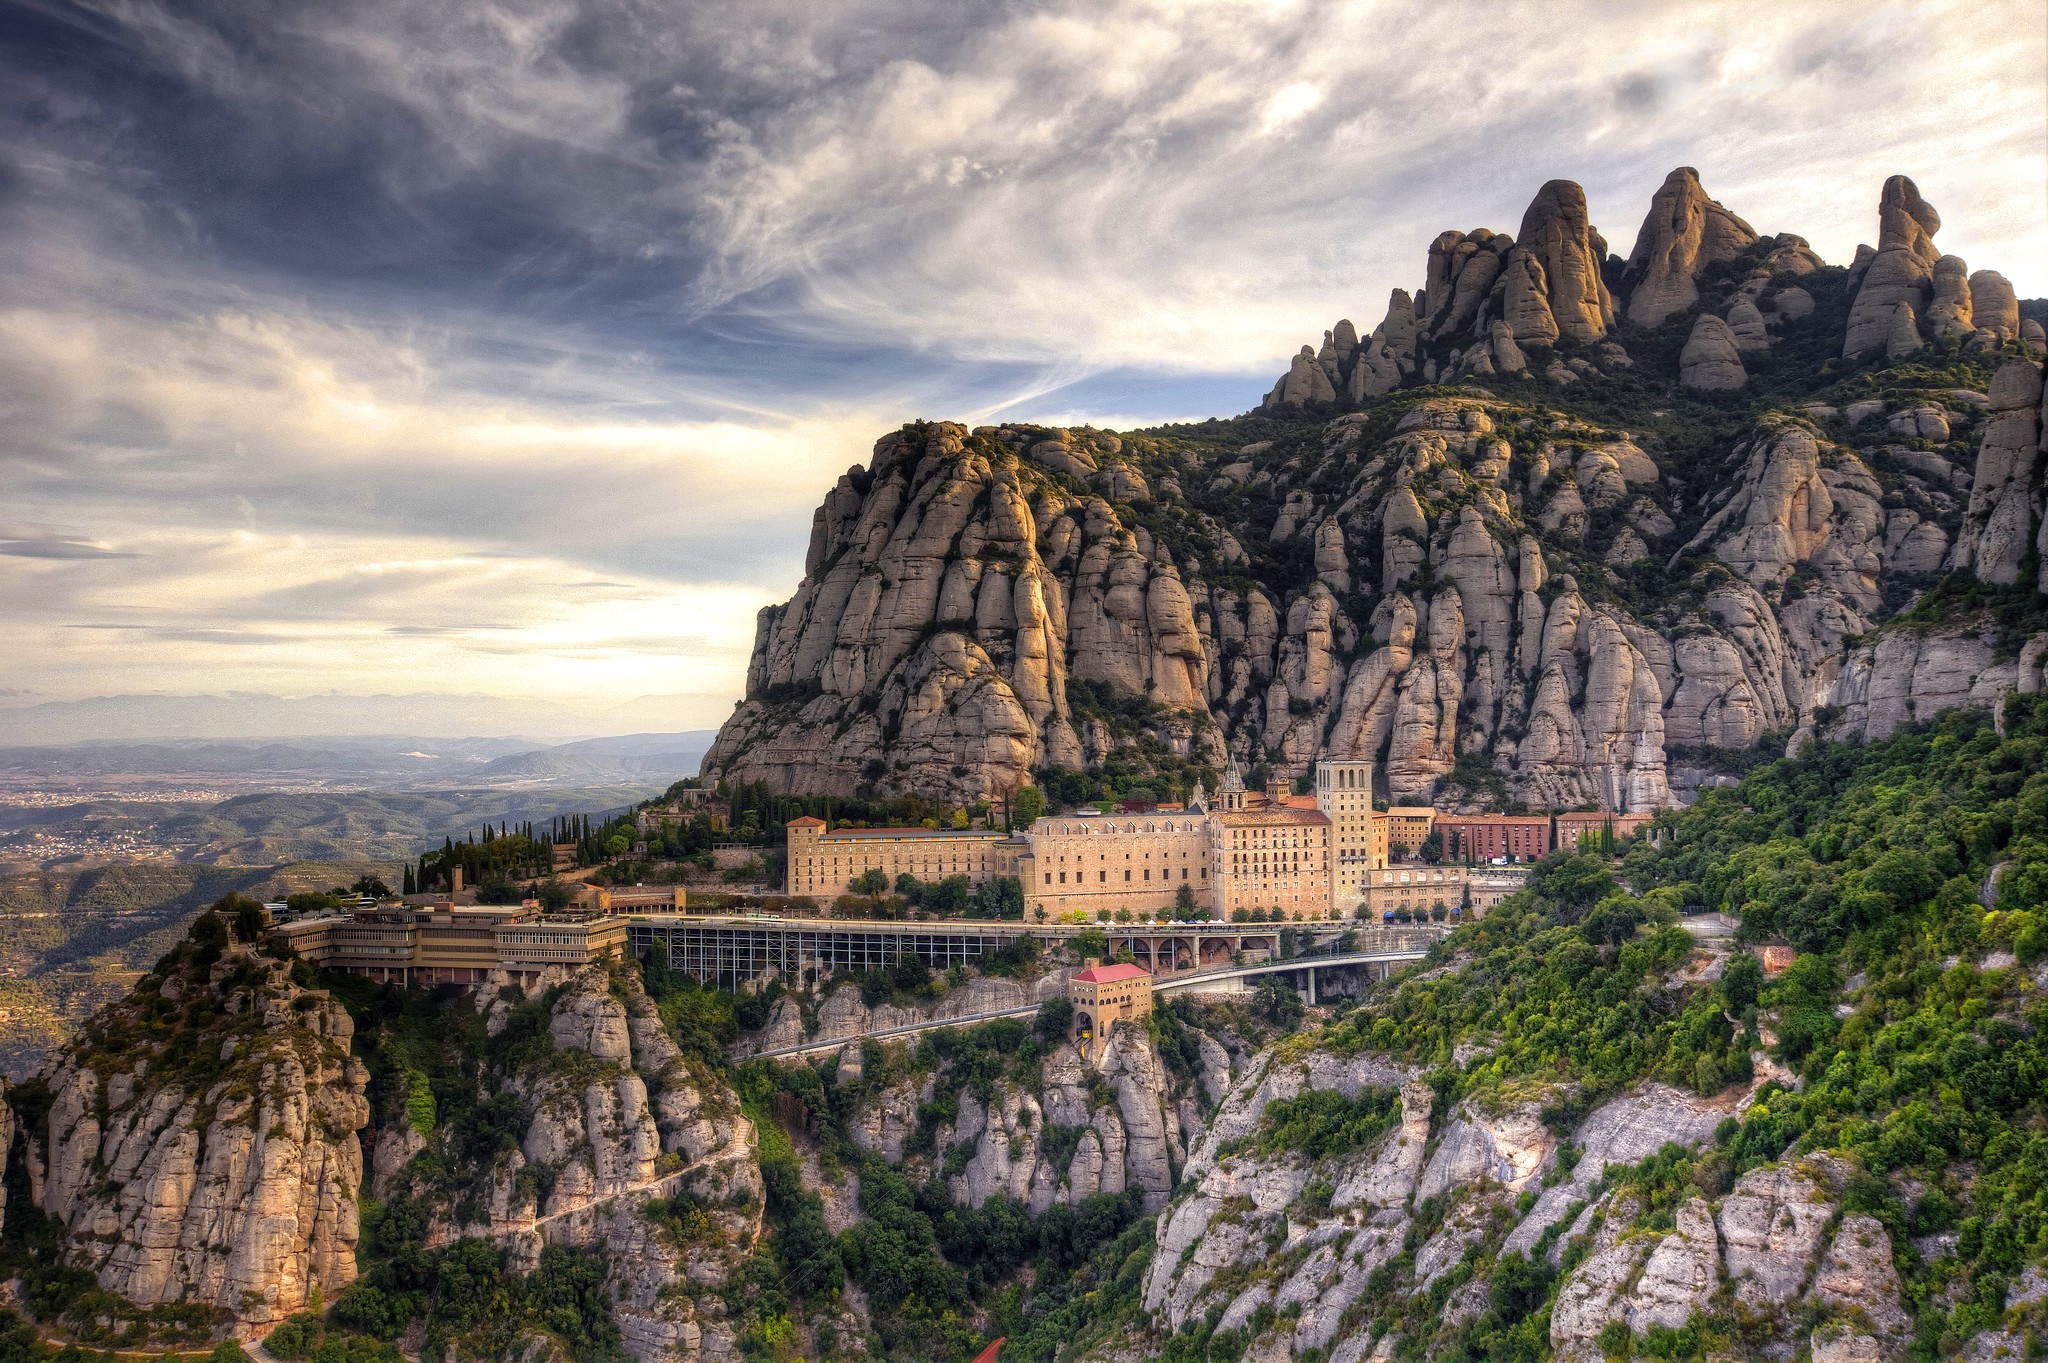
point(1272, 859)
point(1584, 823)
point(1358, 833)
point(449, 943)
point(1104, 997)
point(825, 864)
point(1408, 827)
point(1097, 863)
point(1482, 837)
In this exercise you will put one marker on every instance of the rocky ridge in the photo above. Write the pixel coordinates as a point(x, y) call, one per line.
point(617, 1117)
point(1293, 1253)
point(200, 1142)
point(1564, 567)
point(1073, 1133)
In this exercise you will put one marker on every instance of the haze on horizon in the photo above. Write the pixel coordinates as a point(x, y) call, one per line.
point(504, 349)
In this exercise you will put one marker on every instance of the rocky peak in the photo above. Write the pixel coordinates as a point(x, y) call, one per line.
point(1388, 583)
point(1684, 232)
point(1901, 271)
point(1558, 237)
point(200, 1143)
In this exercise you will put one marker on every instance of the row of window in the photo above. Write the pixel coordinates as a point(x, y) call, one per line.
point(1102, 877)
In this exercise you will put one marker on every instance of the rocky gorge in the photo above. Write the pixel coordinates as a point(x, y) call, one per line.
point(1563, 528)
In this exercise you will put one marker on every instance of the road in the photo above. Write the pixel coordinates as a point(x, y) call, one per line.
point(1166, 985)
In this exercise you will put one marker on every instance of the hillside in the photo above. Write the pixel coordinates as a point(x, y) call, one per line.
point(1589, 1127)
point(1564, 529)
point(73, 941)
point(280, 827)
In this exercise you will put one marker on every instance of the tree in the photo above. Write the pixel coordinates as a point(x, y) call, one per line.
point(1027, 806)
point(873, 882)
point(555, 895)
point(1741, 982)
point(1185, 909)
point(1277, 1002)
point(1432, 850)
point(1054, 1017)
point(249, 917)
point(616, 845)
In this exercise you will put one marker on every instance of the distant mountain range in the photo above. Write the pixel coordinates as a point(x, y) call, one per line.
point(355, 759)
point(152, 719)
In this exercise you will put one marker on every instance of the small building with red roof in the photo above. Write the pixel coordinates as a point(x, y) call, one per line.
point(1104, 997)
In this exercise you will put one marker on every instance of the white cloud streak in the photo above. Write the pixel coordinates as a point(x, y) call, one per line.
point(530, 332)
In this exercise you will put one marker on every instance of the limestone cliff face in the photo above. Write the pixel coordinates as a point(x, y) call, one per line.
point(1458, 595)
point(1253, 1227)
point(1480, 573)
point(616, 1116)
point(1076, 1133)
point(953, 589)
point(201, 1142)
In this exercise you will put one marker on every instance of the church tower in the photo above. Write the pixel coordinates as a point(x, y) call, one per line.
point(1230, 795)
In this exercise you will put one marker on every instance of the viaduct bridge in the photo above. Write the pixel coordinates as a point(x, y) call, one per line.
point(736, 949)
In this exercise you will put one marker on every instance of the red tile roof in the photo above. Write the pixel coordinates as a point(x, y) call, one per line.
point(914, 833)
point(1110, 974)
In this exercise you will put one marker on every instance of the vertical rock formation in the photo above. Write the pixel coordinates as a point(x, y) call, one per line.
point(1902, 271)
point(1684, 232)
point(1558, 237)
point(1993, 306)
point(2003, 513)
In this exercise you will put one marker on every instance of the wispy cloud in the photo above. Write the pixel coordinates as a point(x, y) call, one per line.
point(506, 348)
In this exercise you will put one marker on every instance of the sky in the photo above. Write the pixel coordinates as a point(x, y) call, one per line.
point(503, 350)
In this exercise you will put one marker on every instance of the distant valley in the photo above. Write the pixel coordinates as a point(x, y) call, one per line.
point(255, 802)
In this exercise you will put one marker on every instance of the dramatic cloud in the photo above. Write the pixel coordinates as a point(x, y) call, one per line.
point(505, 347)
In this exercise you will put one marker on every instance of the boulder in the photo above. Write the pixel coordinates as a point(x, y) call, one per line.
point(1993, 305)
point(1950, 309)
point(1711, 360)
point(1746, 321)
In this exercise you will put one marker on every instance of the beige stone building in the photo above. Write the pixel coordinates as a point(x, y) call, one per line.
point(1104, 998)
point(1103, 863)
point(1588, 824)
point(1408, 827)
point(1272, 862)
point(1358, 833)
point(448, 943)
point(824, 863)
point(1464, 892)
point(1412, 885)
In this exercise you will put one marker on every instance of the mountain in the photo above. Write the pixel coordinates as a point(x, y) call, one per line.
point(1563, 528)
point(1601, 1122)
point(153, 718)
point(382, 759)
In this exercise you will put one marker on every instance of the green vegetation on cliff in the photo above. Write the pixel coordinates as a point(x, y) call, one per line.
point(1908, 874)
